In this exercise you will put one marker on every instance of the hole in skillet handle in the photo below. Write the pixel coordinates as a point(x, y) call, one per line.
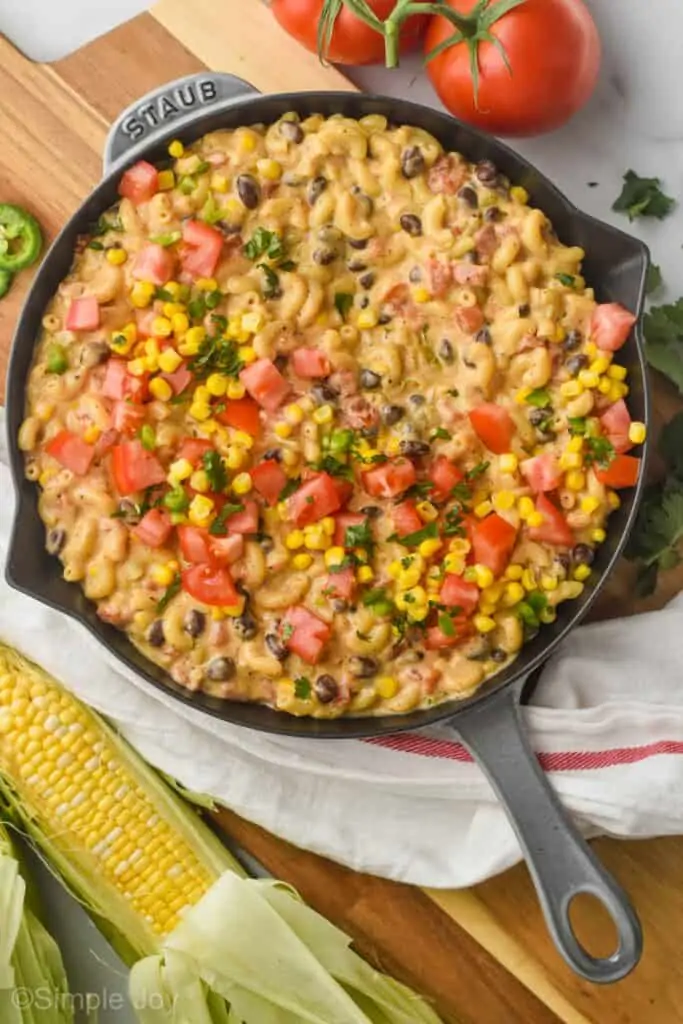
point(561, 863)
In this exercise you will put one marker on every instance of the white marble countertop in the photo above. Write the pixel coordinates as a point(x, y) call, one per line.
point(634, 120)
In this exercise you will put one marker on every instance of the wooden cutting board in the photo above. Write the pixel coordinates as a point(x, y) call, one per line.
point(483, 954)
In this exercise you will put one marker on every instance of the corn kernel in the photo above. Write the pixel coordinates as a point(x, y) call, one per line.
point(617, 390)
point(570, 460)
point(588, 379)
point(492, 595)
point(392, 446)
point(169, 360)
point(283, 430)
point(412, 599)
point(195, 335)
point(162, 575)
point(235, 389)
point(117, 257)
point(460, 546)
point(367, 319)
point(525, 507)
point(246, 139)
point(483, 576)
point(365, 574)
point(427, 512)
point(519, 194)
point(315, 538)
point(560, 334)
point(575, 480)
point(528, 580)
point(616, 372)
point(216, 385)
point(241, 438)
point(387, 687)
point(246, 354)
point(294, 414)
point(503, 501)
point(429, 547)
point(269, 169)
point(235, 457)
point(484, 623)
point(571, 389)
point(181, 469)
point(598, 536)
point(589, 505)
point(394, 569)
point(514, 593)
point(514, 572)
point(199, 411)
point(454, 563)
point(508, 463)
point(637, 432)
point(302, 561)
point(176, 149)
point(290, 459)
point(600, 365)
point(575, 444)
point(174, 289)
point(91, 435)
point(219, 183)
point(241, 484)
point(295, 540)
point(421, 294)
point(166, 181)
point(180, 323)
point(200, 509)
point(199, 481)
point(206, 284)
point(582, 572)
point(161, 389)
point(136, 367)
point(613, 500)
point(323, 415)
point(548, 582)
point(333, 556)
point(141, 294)
point(592, 350)
point(535, 519)
point(483, 509)
point(522, 395)
point(329, 525)
point(604, 385)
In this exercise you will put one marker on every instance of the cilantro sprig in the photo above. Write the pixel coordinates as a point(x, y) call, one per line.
point(642, 197)
point(215, 470)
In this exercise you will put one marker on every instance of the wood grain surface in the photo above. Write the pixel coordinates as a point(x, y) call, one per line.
point(483, 955)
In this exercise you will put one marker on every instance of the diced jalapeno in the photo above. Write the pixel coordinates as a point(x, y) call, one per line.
point(57, 361)
point(148, 437)
point(5, 282)
point(176, 500)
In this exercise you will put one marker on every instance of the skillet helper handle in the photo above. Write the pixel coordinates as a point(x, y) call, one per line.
point(168, 109)
point(561, 863)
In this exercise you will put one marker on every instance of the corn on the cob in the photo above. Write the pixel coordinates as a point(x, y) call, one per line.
point(127, 847)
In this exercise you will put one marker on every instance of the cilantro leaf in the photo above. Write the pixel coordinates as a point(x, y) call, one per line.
point(333, 466)
point(171, 590)
point(446, 624)
point(413, 539)
point(568, 280)
point(477, 470)
point(359, 536)
point(670, 446)
point(290, 487)
point(215, 470)
point(265, 243)
point(453, 524)
point(642, 197)
point(578, 426)
point(419, 490)
point(302, 688)
point(663, 327)
point(539, 397)
point(379, 601)
point(657, 534)
point(343, 301)
point(599, 450)
point(654, 279)
point(439, 434)
point(219, 527)
point(216, 355)
point(271, 282)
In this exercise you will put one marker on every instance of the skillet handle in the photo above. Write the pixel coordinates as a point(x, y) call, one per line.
point(560, 861)
point(167, 110)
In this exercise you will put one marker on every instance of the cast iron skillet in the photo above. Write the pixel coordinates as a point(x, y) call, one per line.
point(561, 864)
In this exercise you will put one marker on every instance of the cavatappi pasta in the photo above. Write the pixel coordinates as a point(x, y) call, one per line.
point(326, 418)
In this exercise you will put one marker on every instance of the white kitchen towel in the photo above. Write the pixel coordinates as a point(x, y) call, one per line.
point(607, 722)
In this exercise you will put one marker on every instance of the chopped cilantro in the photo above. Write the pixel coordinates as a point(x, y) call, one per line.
point(333, 466)
point(343, 301)
point(578, 425)
point(359, 536)
point(663, 328)
point(218, 527)
point(418, 490)
point(642, 197)
point(439, 434)
point(216, 355)
point(211, 299)
point(341, 441)
point(453, 525)
point(413, 539)
point(97, 246)
point(176, 500)
point(446, 624)
point(290, 487)
point(654, 279)
point(379, 601)
point(215, 470)
point(477, 471)
point(271, 282)
point(568, 280)
point(165, 296)
point(197, 308)
point(264, 243)
point(302, 688)
point(171, 590)
point(599, 450)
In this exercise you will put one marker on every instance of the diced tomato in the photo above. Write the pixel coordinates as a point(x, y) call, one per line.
point(126, 417)
point(304, 633)
point(144, 321)
point(445, 475)
point(458, 593)
point(440, 278)
point(493, 540)
point(193, 449)
point(212, 585)
point(179, 379)
point(265, 383)
point(554, 529)
point(542, 472)
point(242, 414)
point(344, 520)
point(315, 499)
point(405, 518)
point(622, 471)
point(202, 250)
point(344, 490)
point(269, 478)
point(446, 174)
point(310, 363)
point(469, 318)
point(436, 639)
point(616, 421)
point(195, 544)
point(390, 478)
point(494, 426)
point(71, 451)
point(105, 442)
point(340, 584)
point(140, 182)
point(83, 314)
point(154, 263)
point(134, 468)
point(398, 302)
point(470, 273)
point(245, 521)
point(119, 384)
point(611, 325)
point(226, 550)
point(154, 528)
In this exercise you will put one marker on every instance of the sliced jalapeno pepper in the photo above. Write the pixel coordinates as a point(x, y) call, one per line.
point(20, 238)
point(5, 282)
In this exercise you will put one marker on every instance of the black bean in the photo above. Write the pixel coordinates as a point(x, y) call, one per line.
point(249, 190)
point(128, 511)
point(194, 622)
point(470, 257)
point(487, 172)
point(245, 624)
point(369, 432)
point(469, 196)
point(412, 162)
point(326, 689)
point(364, 302)
point(220, 669)
point(483, 336)
point(280, 361)
point(537, 416)
point(339, 605)
point(276, 647)
point(357, 243)
point(356, 266)
point(492, 214)
point(55, 541)
point(524, 309)
point(95, 353)
point(273, 453)
point(370, 380)
point(563, 561)
point(384, 318)
point(266, 543)
point(315, 189)
point(226, 228)
point(577, 363)
point(499, 655)
point(322, 394)
point(445, 351)
point(392, 414)
point(371, 511)
point(291, 131)
point(411, 224)
point(324, 256)
point(583, 554)
point(417, 400)
point(155, 634)
point(572, 341)
point(363, 668)
point(414, 449)
point(367, 280)
point(415, 275)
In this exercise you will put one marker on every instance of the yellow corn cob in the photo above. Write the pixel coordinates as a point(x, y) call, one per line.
point(130, 850)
